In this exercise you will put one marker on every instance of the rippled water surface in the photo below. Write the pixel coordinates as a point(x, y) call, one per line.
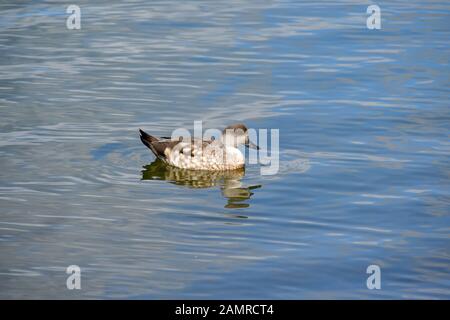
point(364, 149)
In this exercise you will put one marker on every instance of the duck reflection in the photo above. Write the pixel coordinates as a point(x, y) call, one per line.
point(229, 181)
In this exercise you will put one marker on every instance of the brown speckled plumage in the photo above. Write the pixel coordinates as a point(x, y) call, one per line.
point(196, 154)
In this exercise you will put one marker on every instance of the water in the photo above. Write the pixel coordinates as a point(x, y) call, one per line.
point(364, 129)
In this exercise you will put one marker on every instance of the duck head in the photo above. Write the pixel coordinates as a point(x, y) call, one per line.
point(236, 135)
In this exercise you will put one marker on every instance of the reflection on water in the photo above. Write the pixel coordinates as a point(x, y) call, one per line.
point(229, 181)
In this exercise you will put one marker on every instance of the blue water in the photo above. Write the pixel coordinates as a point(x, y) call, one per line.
point(364, 149)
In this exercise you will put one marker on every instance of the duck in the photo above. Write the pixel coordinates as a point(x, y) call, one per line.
point(202, 154)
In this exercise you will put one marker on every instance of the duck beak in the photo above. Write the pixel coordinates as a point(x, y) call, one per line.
point(252, 145)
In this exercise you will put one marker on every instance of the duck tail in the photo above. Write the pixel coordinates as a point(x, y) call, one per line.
point(148, 139)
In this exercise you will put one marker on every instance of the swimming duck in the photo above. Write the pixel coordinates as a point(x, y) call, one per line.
point(198, 154)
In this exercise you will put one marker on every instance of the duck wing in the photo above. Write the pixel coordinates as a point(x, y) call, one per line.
point(157, 145)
